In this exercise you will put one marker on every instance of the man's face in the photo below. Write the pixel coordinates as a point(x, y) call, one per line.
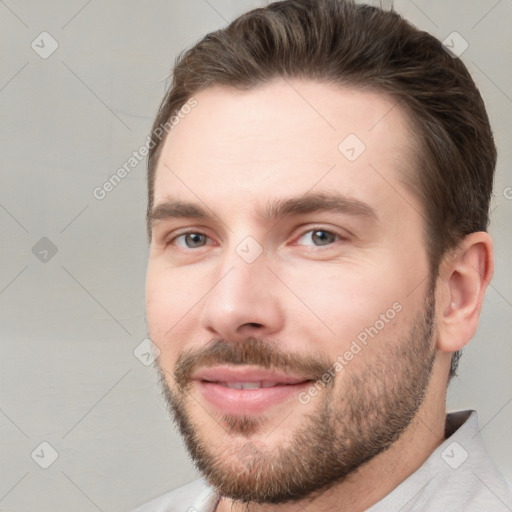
point(328, 311)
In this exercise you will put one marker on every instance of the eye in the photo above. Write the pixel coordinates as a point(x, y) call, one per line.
point(319, 237)
point(191, 240)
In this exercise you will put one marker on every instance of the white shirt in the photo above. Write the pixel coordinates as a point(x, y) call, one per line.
point(458, 476)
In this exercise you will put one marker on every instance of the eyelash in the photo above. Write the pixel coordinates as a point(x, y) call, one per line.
point(313, 229)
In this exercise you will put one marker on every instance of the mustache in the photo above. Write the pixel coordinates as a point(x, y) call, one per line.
point(252, 351)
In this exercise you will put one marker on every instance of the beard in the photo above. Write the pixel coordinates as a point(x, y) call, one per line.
point(349, 426)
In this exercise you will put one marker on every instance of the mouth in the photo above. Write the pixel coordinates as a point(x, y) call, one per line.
point(252, 385)
point(246, 390)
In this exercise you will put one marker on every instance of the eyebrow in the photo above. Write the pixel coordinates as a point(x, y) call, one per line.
point(274, 210)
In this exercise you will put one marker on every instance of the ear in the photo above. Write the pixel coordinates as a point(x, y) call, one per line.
point(464, 275)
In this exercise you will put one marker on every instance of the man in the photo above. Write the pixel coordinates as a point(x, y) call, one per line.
point(319, 187)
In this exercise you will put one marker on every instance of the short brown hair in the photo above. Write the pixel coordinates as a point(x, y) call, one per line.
point(341, 42)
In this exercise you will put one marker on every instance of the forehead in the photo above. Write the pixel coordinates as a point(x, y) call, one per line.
point(293, 136)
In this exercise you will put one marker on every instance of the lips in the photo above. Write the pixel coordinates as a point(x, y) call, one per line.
point(246, 375)
point(246, 390)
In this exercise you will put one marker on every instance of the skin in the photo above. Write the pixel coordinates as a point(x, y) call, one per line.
point(302, 298)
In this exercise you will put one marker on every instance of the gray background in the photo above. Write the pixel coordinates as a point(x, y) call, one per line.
point(70, 323)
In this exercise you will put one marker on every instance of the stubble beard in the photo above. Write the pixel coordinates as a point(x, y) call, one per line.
point(348, 427)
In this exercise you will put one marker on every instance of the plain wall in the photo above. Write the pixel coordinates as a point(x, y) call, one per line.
point(71, 319)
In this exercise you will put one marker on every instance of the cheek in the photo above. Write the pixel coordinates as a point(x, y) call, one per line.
point(347, 304)
point(344, 297)
point(169, 308)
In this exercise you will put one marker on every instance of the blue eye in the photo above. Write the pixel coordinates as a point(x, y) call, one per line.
point(313, 237)
point(192, 240)
point(320, 237)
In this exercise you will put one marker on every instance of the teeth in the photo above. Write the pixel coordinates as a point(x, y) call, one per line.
point(251, 385)
point(248, 385)
point(234, 385)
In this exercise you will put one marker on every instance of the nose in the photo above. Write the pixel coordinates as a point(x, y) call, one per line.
point(243, 300)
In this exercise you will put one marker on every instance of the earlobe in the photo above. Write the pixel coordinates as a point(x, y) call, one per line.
point(463, 279)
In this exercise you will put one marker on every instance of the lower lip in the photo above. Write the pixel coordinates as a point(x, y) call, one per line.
point(248, 401)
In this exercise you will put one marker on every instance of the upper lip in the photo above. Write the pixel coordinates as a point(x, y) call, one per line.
point(246, 374)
